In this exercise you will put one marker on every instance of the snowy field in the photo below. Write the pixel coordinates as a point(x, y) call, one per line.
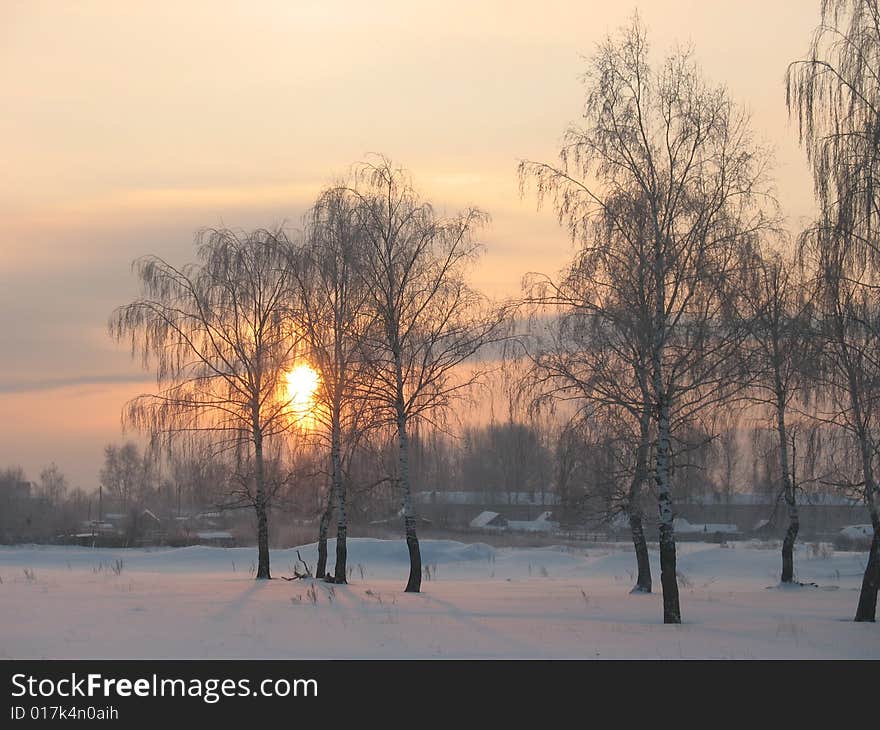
point(481, 602)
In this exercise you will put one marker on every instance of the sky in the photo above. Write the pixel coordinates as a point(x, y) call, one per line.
point(126, 126)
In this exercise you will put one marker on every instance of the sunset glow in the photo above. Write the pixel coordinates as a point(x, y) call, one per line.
point(302, 382)
point(109, 161)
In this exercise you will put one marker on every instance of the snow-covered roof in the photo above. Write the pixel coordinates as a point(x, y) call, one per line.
point(857, 531)
point(755, 499)
point(487, 498)
point(483, 519)
point(533, 525)
point(214, 535)
point(682, 525)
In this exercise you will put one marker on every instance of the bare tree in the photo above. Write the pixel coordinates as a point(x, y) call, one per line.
point(197, 474)
point(124, 474)
point(333, 316)
point(53, 484)
point(594, 354)
point(661, 184)
point(847, 374)
point(607, 455)
point(776, 313)
point(506, 458)
point(427, 320)
point(835, 94)
point(220, 337)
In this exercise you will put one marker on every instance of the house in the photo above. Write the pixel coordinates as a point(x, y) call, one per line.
point(701, 531)
point(216, 538)
point(854, 537)
point(542, 523)
point(457, 508)
point(420, 520)
point(821, 515)
point(489, 521)
point(854, 532)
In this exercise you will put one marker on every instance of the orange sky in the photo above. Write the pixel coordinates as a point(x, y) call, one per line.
point(128, 125)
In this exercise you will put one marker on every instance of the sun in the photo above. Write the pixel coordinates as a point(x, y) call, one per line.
point(302, 382)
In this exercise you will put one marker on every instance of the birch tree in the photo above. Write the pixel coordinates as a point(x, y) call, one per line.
point(219, 335)
point(125, 474)
point(847, 377)
point(776, 314)
point(834, 93)
point(334, 316)
point(661, 180)
point(427, 320)
point(604, 471)
point(52, 485)
point(594, 355)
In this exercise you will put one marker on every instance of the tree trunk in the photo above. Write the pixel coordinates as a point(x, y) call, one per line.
point(643, 582)
point(668, 579)
point(260, 505)
point(788, 490)
point(340, 575)
point(788, 542)
point(643, 563)
point(414, 584)
point(323, 529)
point(867, 608)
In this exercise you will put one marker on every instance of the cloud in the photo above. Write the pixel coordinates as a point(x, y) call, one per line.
point(43, 384)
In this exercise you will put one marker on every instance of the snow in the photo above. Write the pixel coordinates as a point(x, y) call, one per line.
point(481, 602)
point(483, 519)
point(750, 499)
point(683, 526)
point(487, 498)
point(542, 523)
point(856, 532)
